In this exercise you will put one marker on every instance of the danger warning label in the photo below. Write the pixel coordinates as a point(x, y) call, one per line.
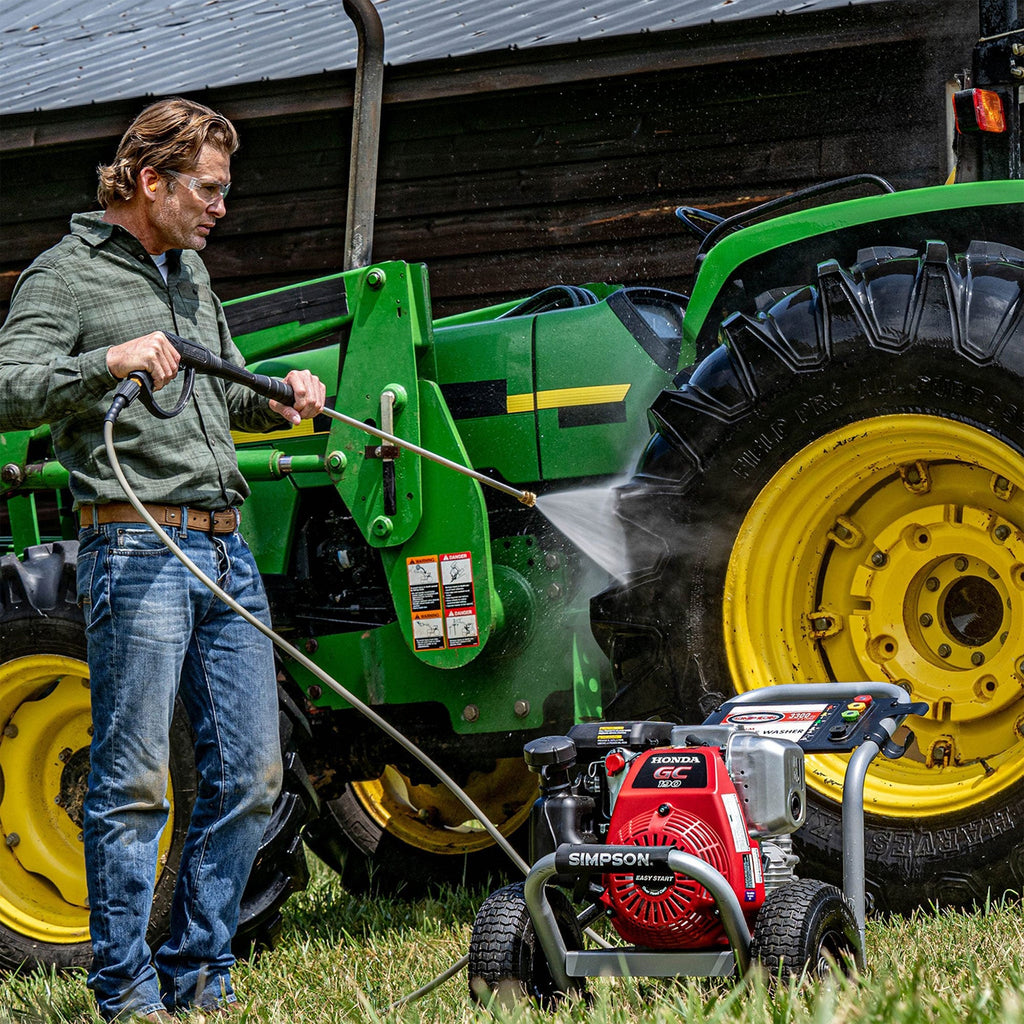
point(443, 601)
point(460, 624)
point(457, 580)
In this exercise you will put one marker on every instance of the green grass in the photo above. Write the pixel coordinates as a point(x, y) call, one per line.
point(344, 958)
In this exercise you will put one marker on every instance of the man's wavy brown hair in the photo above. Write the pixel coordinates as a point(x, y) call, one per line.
point(168, 136)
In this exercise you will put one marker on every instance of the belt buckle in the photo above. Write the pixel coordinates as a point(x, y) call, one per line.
point(223, 523)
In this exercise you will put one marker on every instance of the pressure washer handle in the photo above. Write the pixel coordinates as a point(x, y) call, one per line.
point(202, 359)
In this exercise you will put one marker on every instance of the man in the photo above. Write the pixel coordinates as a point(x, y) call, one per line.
point(85, 314)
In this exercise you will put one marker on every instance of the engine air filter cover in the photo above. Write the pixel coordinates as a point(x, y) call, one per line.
point(686, 800)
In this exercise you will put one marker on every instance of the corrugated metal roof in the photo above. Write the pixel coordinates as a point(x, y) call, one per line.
point(69, 53)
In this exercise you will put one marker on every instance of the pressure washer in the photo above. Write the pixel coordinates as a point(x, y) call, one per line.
point(679, 835)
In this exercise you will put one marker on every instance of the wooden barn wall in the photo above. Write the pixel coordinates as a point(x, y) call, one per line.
point(502, 193)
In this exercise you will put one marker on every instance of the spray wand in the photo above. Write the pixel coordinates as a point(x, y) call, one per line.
point(526, 497)
point(196, 357)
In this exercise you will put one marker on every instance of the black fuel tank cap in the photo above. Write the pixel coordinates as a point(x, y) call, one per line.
point(550, 751)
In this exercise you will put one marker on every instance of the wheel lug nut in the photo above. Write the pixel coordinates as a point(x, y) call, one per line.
point(1002, 531)
point(12, 840)
point(931, 583)
point(926, 619)
point(977, 658)
point(878, 559)
point(945, 650)
point(960, 564)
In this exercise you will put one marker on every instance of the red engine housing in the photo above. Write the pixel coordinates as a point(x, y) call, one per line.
point(682, 798)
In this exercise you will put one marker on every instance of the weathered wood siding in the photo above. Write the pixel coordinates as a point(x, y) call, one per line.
point(504, 190)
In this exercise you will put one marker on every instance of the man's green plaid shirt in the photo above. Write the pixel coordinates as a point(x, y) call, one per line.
point(96, 288)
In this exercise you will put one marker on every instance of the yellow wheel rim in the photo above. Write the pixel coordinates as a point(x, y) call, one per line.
point(45, 729)
point(893, 550)
point(431, 819)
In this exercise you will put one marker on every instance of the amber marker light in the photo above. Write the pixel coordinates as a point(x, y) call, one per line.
point(978, 110)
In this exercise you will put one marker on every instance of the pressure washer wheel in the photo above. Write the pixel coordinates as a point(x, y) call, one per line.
point(806, 927)
point(45, 729)
point(506, 964)
point(838, 493)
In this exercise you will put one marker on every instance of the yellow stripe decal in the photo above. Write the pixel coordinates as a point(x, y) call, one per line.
point(563, 398)
point(304, 429)
point(519, 403)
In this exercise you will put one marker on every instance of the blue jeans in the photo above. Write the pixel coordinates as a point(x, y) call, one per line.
point(155, 632)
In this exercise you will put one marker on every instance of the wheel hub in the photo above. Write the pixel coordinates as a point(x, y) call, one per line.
point(45, 732)
point(46, 722)
point(430, 818)
point(937, 596)
point(892, 550)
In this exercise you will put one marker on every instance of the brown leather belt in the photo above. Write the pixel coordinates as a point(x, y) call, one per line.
point(224, 521)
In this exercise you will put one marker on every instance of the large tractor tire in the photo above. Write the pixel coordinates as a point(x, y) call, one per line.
point(45, 725)
point(391, 835)
point(837, 493)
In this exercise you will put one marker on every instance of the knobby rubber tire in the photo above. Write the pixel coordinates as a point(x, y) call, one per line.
point(280, 868)
point(371, 860)
point(39, 615)
point(805, 927)
point(506, 962)
point(921, 336)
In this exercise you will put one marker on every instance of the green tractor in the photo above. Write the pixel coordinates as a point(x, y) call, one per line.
point(816, 461)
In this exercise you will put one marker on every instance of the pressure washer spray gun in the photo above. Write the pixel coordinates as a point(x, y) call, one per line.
point(139, 384)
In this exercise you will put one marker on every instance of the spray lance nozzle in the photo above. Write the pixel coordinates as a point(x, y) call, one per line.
point(139, 384)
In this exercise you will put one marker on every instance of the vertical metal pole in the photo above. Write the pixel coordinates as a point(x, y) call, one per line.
point(366, 108)
point(853, 833)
